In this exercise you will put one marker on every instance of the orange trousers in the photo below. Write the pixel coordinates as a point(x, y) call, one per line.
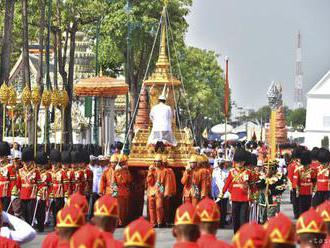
point(156, 209)
point(123, 210)
point(194, 201)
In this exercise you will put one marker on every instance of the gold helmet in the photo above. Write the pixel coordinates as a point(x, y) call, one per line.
point(122, 158)
point(158, 157)
point(114, 158)
point(164, 158)
point(193, 159)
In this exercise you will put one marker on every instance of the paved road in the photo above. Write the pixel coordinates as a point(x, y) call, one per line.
point(164, 236)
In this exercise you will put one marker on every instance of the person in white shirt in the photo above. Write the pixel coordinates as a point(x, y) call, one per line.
point(97, 169)
point(161, 116)
point(15, 229)
point(219, 176)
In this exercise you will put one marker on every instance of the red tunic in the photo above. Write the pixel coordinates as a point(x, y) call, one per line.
point(89, 181)
point(51, 241)
point(238, 182)
point(4, 181)
point(44, 187)
point(185, 244)
point(79, 182)
point(29, 180)
point(210, 241)
point(60, 184)
point(291, 169)
point(14, 184)
point(110, 241)
point(305, 178)
point(7, 243)
point(322, 183)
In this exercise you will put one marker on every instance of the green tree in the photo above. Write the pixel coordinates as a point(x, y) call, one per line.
point(204, 84)
point(144, 19)
point(297, 118)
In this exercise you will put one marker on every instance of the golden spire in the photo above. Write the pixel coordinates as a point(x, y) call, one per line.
point(162, 59)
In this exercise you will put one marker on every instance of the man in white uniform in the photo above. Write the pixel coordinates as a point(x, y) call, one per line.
point(161, 116)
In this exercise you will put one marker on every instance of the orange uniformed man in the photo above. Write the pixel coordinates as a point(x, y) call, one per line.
point(205, 175)
point(106, 186)
point(191, 182)
point(122, 180)
point(169, 192)
point(156, 180)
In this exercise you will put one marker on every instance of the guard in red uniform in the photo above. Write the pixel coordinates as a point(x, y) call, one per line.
point(140, 233)
point(306, 180)
point(43, 189)
point(79, 178)
point(30, 179)
point(323, 179)
point(4, 175)
point(66, 167)
point(292, 168)
point(191, 181)
point(311, 229)
point(281, 231)
point(106, 215)
point(69, 220)
point(185, 230)
point(15, 187)
point(251, 235)
point(238, 184)
point(60, 184)
point(209, 214)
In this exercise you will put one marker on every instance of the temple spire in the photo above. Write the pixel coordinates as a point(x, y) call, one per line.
point(163, 59)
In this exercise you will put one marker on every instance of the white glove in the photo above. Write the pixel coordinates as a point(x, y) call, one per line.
point(118, 167)
point(13, 197)
point(38, 198)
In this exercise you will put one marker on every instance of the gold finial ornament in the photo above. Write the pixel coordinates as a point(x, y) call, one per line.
point(64, 98)
point(12, 99)
point(56, 98)
point(4, 94)
point(46, 98)
point(26, 96)
point(35, 96)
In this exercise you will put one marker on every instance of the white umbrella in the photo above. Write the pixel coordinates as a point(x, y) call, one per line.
point(220, 128)
point(230, 136)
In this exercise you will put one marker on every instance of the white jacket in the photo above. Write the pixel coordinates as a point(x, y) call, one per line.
point(161, 116)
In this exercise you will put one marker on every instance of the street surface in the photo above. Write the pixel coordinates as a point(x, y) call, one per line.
point(164, 236)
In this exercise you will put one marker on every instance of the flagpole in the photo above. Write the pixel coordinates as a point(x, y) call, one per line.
point(226, 105)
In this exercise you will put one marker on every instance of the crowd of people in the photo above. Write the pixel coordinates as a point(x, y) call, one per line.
point(86, 197)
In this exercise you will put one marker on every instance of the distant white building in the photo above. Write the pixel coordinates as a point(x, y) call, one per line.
point(318, 112)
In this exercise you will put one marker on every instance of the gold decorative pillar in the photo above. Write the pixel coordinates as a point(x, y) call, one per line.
point(56, 101)
point(4, 97)
point(12, 103)
point(64, 100)
point(36, 101)
point(26, 100)
point(46, 100)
